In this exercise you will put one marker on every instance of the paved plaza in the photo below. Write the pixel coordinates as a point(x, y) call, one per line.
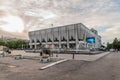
point(64, 56)
point(82, 56)
point(104, 68)
point(34, 61)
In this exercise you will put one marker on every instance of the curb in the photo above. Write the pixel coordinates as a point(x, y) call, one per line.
point(52, 64)
point(107, 53)
point(92, 59)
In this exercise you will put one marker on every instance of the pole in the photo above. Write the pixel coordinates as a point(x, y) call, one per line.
point(73, 55)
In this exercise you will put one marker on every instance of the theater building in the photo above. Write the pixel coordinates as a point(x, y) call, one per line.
point(67, 36)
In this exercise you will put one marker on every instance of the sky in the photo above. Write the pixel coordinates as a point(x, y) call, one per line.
point(20, 16)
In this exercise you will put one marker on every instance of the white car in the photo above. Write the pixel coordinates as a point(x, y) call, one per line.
point(112, 50)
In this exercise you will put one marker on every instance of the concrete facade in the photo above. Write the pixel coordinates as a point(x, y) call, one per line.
point(67, 36)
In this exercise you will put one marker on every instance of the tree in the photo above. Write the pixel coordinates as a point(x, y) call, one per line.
point(115, 43)
point(11, 44)
point(119, 45)
point(109, 46)
point(2, 42)
point(16, 44)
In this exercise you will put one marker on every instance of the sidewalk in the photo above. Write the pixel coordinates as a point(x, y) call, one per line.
point(82, 56)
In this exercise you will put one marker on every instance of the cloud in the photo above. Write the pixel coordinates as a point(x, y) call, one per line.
point(12, 24)
point(102, 15)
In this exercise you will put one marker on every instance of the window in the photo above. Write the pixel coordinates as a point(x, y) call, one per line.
point(63, 39)
point(33, 41)
point(38, 41)
point(56, 40)
point(71, 39)
point(43, 40)
point(49, 40)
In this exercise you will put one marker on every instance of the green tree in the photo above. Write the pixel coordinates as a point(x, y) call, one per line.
point(10, 44)
point(119, 44)
point(109, 46)
point(2, 42)
point(15, 44)
point(115, 43)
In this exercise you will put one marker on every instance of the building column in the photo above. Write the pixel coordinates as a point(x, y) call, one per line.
point(30, 43)
point(59, 34)
point(35, 44)
point(59, 44)
point(30, 46)
point(76, 35)
point(85, 36)
point(46, 38)
point(67, 37)
point(52, 32)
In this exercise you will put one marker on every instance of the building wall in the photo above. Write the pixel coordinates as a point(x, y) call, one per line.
point(64, 36)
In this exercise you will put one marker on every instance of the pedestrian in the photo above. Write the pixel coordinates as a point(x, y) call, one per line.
point(58, 52)
point(117, 50)
point(41, 53)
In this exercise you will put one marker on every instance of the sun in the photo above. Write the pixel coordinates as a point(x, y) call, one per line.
point(12, 24)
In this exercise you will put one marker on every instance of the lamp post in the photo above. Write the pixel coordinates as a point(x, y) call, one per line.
point(52, 39)
point(52, 35)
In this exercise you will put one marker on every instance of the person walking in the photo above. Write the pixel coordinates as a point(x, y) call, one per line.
point(58, 52)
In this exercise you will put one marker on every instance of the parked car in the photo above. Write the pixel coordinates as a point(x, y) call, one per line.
point(112, 50)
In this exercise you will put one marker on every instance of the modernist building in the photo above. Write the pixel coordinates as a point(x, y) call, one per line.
point(67, 36)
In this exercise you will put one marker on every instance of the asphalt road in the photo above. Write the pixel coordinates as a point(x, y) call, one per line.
point(106, 68)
